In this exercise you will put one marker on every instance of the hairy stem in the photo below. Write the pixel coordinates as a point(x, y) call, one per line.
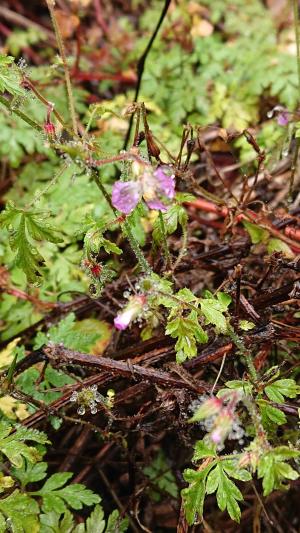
point(24, 117)
point(243, 350)
point(60, 44)
point(183, 247)
point(164, 239)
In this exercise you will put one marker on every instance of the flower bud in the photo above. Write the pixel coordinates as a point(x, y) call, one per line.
point(210, 407)
point(49, 129)
point(222, 427)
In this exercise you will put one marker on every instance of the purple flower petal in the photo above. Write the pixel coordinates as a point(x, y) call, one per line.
point(156, 204)
point(216, 436)
point(283, 118)
point(123, 320)
point(165, 182)
point(130, 312)
point(125, 195)
point(281, 113)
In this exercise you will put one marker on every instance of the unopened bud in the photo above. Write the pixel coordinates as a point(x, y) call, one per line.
point(49, 129)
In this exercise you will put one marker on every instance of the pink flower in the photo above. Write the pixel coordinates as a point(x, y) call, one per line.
point(126, 195)
point(222, 426)
point(208, 408)
point(130, 312)
point(283, 118)
point(281, 113)
point(216, 436)
point(153, 186)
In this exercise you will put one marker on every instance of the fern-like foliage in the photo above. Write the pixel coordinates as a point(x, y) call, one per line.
point(45, 509)
point(26, 229)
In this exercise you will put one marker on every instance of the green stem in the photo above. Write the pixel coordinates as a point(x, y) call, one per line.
point(182, 251)
point(164, 240)
point(41, 193)
point(243, 350)
point(136, 249)
point(250, 404)
point(24, 117)
point(60, 44)
point(104, 191)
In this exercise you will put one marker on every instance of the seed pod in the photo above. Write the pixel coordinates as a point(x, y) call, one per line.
point(140, 138)
point(153, 148)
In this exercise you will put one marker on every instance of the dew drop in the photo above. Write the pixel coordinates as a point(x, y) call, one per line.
point(74, 397)
point(98, 397)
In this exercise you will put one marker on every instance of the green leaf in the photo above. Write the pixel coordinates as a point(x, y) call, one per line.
point(55, 496)
point(245, 325)
point(20, 39)
point(26, 227)
point(227, 492)
point(10, 77)
point(96, 521)
point(256, 233)
point(213, 309)
point(29, 473)
point(281, 388)
point(271, 414)
point(161, 476)
point(231, 468)
point(273, 469)
point(188, 332)
point(182, 197)
point(97, 524)
point(276, 245)
point(111, 247)
point(186, 328)
point(51, 522)
point(114, 524)
point(203, 449)
point(13, 446)
point(6, 482)
point(176, 214)
point(243, 387)
point(73, 334)
point(193, 496)
point(21, 512)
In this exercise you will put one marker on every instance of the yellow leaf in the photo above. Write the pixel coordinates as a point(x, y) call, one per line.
point(12, 408)
point(5, 482)
point(7, 355)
